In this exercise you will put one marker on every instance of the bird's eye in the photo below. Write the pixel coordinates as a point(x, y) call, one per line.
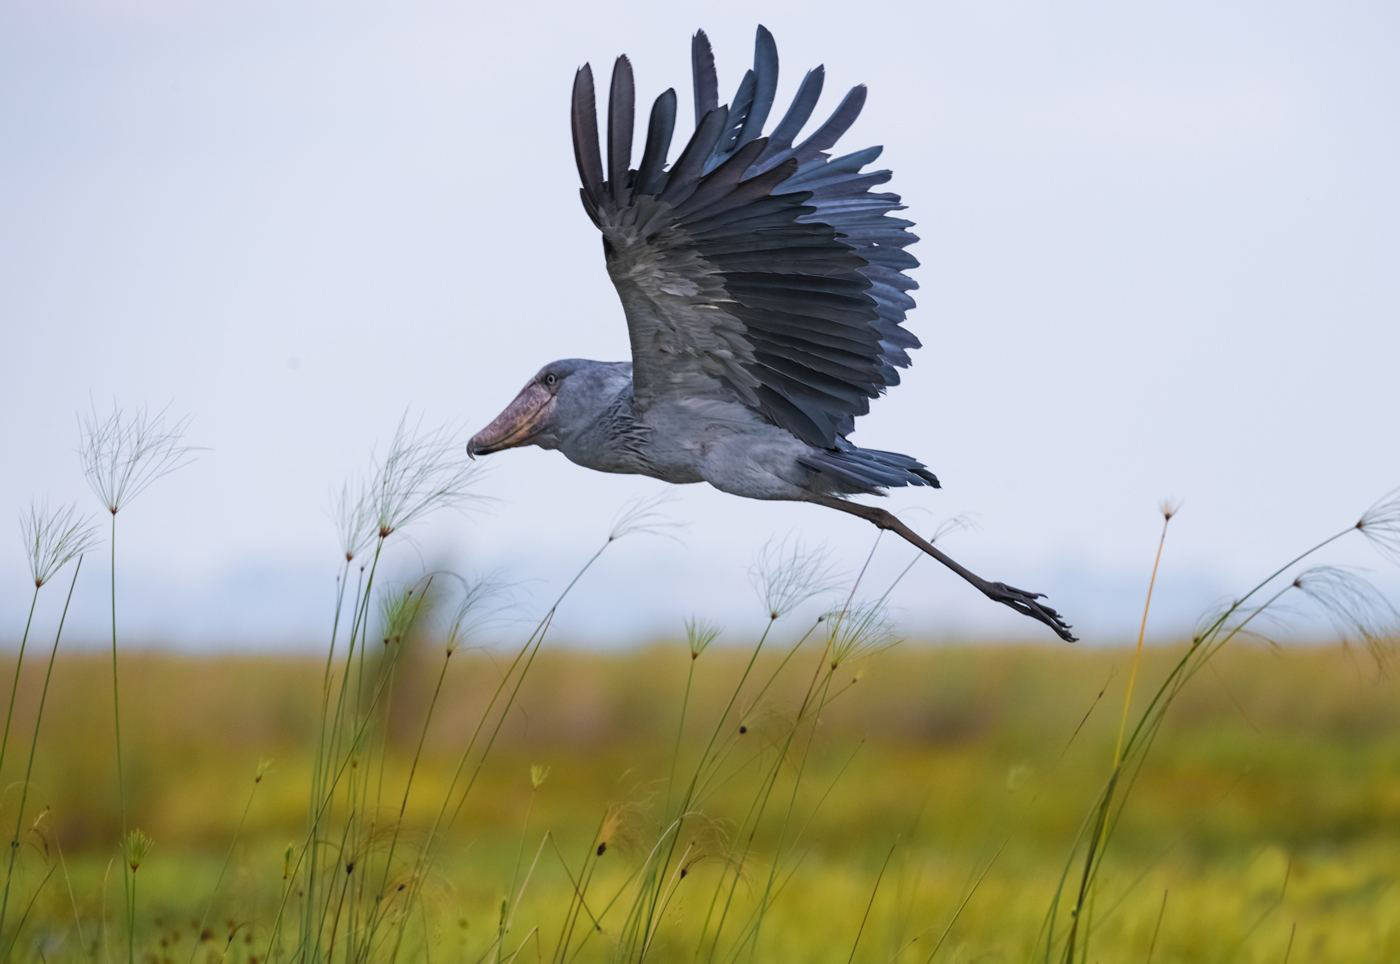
point(550, 378)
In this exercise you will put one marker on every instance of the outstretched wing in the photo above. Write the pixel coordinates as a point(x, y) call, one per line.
point(755, 265)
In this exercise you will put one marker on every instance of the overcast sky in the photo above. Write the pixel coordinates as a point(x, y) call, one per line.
point(1159, 259)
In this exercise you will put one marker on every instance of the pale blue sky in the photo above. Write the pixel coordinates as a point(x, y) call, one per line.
point(1159, 258)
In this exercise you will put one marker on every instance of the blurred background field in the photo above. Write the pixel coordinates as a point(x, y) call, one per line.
point(1137, 220)
point(1265, 824)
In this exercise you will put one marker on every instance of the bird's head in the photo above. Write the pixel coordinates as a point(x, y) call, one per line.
point(561, 395)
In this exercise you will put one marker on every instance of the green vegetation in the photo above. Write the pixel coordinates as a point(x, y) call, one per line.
point(1272, 766)
point(812, 793)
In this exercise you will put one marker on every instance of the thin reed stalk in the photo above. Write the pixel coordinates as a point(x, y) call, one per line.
point(514, 677)
point(294, 870)
point(1167, 513)
point(786, 575)
point(874, 891)
point(14, 680)
point(760, 805)
point(5, 740)
point(127, 888)
point(33, 748)
point(228, 856)
point(508, 910)
point(312, 924)
point(412, 772)
point(683, 808)
point(839, 641)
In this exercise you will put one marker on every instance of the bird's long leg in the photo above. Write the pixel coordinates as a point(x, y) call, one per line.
point(1025, 603)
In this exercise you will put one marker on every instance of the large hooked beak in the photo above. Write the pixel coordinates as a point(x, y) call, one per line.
point(516, 425)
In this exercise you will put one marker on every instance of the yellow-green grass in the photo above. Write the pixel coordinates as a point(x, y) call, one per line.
point(1268, 810)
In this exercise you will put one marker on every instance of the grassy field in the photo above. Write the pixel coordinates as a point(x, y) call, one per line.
point(1264, 825)
point(806, 792)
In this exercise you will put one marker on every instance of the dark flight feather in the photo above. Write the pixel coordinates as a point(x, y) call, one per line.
point(702, 66)
point(803, 103)
point(621, 107)
point(765, 73)
point(584, 119)
point(660, 127)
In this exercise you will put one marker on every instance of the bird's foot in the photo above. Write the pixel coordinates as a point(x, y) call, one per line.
point(1026, 604)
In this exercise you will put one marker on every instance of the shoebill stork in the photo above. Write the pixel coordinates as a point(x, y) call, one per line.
point(765, 287)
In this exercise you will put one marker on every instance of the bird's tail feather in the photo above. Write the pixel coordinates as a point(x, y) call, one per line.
point(857, 471)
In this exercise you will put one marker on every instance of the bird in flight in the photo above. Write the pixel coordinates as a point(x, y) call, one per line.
point(764, 282)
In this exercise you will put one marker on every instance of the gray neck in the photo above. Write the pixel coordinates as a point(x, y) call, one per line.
point(596, 421)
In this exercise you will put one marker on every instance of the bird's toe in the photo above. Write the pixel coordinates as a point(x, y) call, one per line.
point(1026, 604)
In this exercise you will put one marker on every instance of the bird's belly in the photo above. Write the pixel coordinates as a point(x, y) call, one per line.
point(756, 461)
point(669, 461)
point(716, 441)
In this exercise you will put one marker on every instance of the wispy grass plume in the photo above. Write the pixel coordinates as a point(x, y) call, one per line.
point(788, 573)
point(855, 632)
point(481, 601)
point(124, 453)
point(643, 515)
point(354, 520)
point(53, 538)
point(699, 634)
point(1380, 524)
point(421, 471)
point(1356, 608)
